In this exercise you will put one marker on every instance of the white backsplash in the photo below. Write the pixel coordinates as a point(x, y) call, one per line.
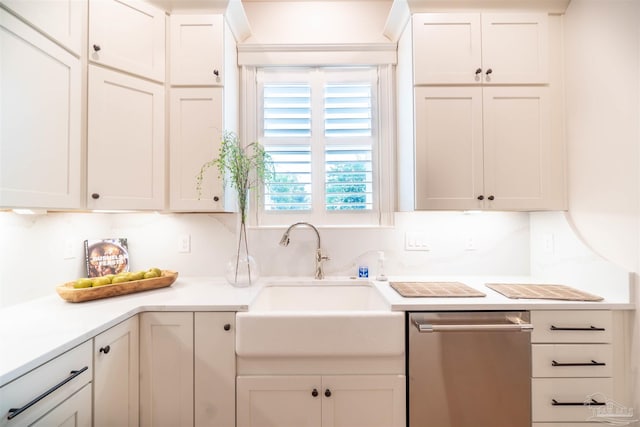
point(32, 248)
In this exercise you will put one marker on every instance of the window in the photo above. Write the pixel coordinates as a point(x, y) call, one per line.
point(320, 127)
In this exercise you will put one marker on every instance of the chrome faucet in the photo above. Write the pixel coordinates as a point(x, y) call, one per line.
point(319, 258)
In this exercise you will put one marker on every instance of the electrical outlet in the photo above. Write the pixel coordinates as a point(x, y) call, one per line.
point(470, 244)
point(69, 249)
point(184, 243)
point(548, 243)
point(416, 241)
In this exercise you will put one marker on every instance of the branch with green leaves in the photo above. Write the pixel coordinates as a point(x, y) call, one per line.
point(243, 167)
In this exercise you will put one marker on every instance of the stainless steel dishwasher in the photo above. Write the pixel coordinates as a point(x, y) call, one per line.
point(469, 369)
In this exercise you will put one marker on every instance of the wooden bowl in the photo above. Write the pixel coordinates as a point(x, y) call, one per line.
point(71, 294)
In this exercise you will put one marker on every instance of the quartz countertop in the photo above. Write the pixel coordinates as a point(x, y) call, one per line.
point(34, 332)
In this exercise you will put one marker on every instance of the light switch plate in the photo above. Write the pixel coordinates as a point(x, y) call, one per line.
point(69, 249)
point(416, 241)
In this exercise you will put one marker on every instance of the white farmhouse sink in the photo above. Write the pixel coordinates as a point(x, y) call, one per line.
point(330, 297)
point(319, 318)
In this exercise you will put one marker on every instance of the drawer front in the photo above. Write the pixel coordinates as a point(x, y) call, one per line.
point(567, 425)
point(571, 360)
point(576, 391)
point(28, 387)
point(573, 326)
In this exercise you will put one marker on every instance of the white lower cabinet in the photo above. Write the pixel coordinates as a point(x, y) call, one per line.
point(115, 377)
point(577, 367)
point(214, 369)
point(321, 401)
point(57, 393)
point(568, 399)
point(187, 369)
point(73, 412)
point(166, 369)
point(567, 424)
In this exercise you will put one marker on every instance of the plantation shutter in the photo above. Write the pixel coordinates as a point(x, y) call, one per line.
point(318, 125)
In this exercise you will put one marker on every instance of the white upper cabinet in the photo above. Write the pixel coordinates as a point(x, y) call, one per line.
point(125, 158)
point(515, 47)
point(197, 50)
point(518, 155)
point(449, 147)
point(485, 148)
point(473, 48)
point(59, 19)
point(128, 35)
point(40, 120)
point(195, 135)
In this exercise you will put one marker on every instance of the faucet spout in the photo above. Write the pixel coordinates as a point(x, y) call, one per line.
point(319, 257)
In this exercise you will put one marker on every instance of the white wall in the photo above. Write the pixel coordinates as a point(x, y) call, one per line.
point(32, 247)
point(317, 22)
point(602, 69)
point(602, 61)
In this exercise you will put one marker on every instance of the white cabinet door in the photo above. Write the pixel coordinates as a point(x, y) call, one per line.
point(473, 48)
point(197, 50)
point(128, 35)
point(125, 167)
point(448, 147)
point(515, 46)
point(363, 401)
point(517, 148)
point(115, 381)
point(166, 369)
point(214, 369)
point(446, 48)
point(282, 401)
point(40, 120)
point(195, 135)
point(73, 412)
point(59, 19)
point(327, 401)
point(485, 148)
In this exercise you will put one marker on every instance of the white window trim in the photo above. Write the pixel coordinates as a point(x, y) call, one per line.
point(384, 152)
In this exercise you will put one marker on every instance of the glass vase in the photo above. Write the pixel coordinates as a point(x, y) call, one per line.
point(242, 269)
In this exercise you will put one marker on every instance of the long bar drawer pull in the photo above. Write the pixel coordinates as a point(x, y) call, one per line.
point(592, 403)
point(592, 363)
point(423, 327)
point(14, 412)
point(590, 328)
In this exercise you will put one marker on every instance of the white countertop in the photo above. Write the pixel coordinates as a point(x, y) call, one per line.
point(37, 331)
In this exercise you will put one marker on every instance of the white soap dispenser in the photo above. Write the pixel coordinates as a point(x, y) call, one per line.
point(380, 273)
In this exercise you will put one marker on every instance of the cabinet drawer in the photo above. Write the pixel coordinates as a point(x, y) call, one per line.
point(28, 387)
point(571, 360)
point(75, 411)
point(567, 425)
point(579, 326)
point(573, 391)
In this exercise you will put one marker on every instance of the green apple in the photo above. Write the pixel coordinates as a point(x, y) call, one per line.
point(101, 281)
point(151, 274)
point(121, 278)
point(83, 283)
point(136, 275)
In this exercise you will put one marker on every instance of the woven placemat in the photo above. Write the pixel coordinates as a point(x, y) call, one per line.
point(435, 289)
point(534, 291)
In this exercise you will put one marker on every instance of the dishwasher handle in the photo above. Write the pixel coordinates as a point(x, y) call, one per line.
point(509, 327)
